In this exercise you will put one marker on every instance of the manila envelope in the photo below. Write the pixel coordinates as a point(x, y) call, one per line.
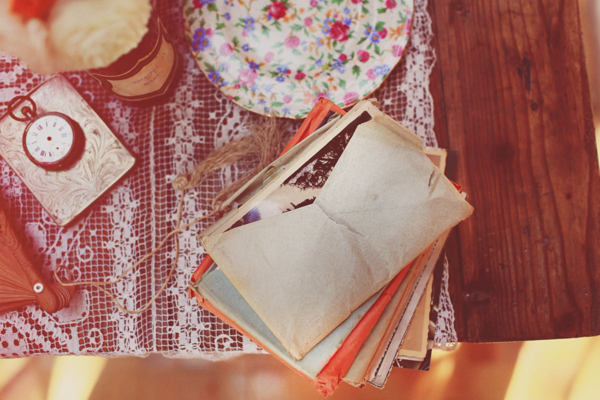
point(304, 271)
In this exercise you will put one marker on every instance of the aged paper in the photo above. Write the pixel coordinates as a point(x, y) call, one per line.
point(387, 351)
point(383, 331)
point(305, 271)
point(216, 288)
point(414, 346)
point(272, 176)
point(358, 370)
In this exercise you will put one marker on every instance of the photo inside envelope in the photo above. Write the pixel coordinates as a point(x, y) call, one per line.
point(302, 187)
point(377, 205)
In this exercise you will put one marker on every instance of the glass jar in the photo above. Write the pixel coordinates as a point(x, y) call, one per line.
point(146, 74)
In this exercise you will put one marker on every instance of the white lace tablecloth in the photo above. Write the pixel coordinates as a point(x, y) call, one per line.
point(139, 211)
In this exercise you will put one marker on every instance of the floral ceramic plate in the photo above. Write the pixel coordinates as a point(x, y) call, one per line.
point(279, 57)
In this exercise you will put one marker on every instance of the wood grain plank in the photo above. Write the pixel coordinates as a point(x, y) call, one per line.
point(512, 88)
point(452, 249)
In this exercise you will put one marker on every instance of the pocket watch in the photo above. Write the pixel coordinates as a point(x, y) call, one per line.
point(51, 140)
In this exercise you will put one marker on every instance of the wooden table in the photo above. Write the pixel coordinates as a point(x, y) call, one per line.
point(511, 96)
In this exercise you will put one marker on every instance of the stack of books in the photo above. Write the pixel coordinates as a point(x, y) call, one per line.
point(327, 256)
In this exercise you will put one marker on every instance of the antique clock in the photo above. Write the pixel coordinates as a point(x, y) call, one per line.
point(53, 141)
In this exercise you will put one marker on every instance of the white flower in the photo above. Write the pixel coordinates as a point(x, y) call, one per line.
point(78, 34)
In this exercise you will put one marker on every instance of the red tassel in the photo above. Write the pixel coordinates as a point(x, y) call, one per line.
point(20, 283)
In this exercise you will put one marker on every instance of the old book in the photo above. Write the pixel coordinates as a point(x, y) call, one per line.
point(383, 331)
point(216, 289)
point(305, 271)
point(414, 346)
point(386, 353)
point(217, 294)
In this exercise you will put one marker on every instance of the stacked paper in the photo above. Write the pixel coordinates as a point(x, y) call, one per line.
point(327, 252)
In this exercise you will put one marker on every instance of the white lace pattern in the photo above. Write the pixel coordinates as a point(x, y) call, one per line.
point(140, 210)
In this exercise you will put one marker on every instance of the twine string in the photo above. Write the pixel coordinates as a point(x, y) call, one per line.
point(99, 284)
point(265, 144)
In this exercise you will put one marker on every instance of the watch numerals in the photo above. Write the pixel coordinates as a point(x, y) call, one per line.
point(49, 141)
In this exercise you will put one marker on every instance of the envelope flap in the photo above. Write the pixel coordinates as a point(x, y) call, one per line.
point(306, 270)
point(299, 287)
point(390, 193)
point(216, 288)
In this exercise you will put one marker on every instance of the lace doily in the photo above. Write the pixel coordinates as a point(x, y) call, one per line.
point(138, 212)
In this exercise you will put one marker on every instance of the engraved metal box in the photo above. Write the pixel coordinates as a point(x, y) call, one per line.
point(65, 194)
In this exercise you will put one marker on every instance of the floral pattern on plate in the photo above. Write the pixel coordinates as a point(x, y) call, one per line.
point(279, 57)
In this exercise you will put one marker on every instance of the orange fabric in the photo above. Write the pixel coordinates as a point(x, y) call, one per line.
point(457, 186)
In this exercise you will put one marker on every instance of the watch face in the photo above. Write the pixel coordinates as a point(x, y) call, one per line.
point(50, 140)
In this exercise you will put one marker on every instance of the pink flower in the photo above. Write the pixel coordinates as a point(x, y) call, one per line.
point(225, 49)
point(356, 1)
point(269, 56)
point(339, 31)
point(291, 42)
point(287, 99)
point(209, 32)
point(277, 10)
point(308, 21)
point(371, 75)
point(350, 98)
point(314, 3)
point(363, 56)
point(390, 3)
point(397, 50)
point(319, 96)
point(247, 77)
point(343, 57)
point(299, 75)
point(383, 33)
